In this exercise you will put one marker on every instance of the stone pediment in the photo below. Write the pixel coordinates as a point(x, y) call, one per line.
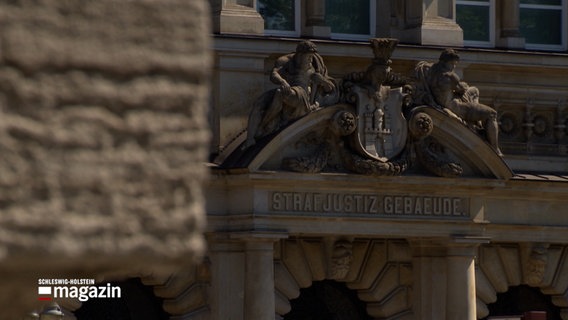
point(300, 139)
point(374, 123)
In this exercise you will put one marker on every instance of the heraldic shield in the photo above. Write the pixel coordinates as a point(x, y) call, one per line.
point(382, 128)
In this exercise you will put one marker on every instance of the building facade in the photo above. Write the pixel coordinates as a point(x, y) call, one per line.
point(378, 200)
point(334, 241)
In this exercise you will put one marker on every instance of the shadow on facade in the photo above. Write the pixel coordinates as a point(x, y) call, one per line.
point(138, 302)
point(327, 300)
point(520, 299)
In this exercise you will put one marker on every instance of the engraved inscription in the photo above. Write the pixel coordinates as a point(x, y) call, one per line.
point(324, 202)
point(368, 204)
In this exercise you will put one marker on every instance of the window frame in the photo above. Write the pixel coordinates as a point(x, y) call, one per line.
point(563, 7)
point(364, 37)
point(297, 22)
point(492, 17)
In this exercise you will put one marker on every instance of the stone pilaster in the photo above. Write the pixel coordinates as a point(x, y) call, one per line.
point(259, 279)
point(259, 274)
point(315, 20)
point(447, 268)
point(227, 279)
point(236, 17)
point(460, 293)
point(429, 22)
point(238, 80)
point(242, 276)
point(429, 269)
point(510, 35)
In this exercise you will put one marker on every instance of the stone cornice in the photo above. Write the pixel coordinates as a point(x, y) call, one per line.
point(421, 206)
point(516, 188)
point(359, 49)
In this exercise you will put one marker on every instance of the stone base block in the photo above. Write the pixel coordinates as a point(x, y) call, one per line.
point(434, 31)
point(238, 20)
point(317, 31)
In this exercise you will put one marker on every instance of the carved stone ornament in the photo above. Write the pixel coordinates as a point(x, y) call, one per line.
point(374, 122)
point(341, 259)
point(536, 264)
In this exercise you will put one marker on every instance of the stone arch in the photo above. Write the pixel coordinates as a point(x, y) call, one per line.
point(501, 266)
point(183, 292)
point(380, 271)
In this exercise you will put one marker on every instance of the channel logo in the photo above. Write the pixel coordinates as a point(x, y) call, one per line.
point(81, 289)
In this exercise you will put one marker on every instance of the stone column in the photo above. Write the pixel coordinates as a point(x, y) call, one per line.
point(259, 279)
point(227, 279)
point(242, 276)
point(429, 265)
point(315, 20)
point(510, 36)
point(236, 17)
point(444, 283)
point(460, 293)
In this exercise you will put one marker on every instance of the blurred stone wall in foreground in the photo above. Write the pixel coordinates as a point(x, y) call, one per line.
point(103, 136)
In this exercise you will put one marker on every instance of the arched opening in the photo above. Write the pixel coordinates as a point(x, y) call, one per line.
point(137, 301)
point(327, 300)
point(520, 299)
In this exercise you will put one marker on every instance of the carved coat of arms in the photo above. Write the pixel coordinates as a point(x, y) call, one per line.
point(382, 129)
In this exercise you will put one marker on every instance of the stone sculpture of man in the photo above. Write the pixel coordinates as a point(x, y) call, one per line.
point(304, 86)
point(451, 93)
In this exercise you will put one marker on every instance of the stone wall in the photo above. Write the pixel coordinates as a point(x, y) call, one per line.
point(103, 136)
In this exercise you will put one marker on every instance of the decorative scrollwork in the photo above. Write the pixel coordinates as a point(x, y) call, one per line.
point(433, 157)
point(313, 163)
point(344, 123)
point(509, 124)
point(355, 163)
point(541, 126)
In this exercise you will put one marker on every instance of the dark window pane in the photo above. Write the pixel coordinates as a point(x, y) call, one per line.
point(541, 26)
point(277, 14)
point(547, 2)
point(348, 16)
point(474, 20)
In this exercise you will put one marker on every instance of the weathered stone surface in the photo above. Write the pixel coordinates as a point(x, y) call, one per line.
point(102, 136)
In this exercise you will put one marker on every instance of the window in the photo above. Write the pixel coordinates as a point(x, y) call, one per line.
point(543, 24)
point(351, 19)
point(348, 19)
point(477, 19)
point(281, 17)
